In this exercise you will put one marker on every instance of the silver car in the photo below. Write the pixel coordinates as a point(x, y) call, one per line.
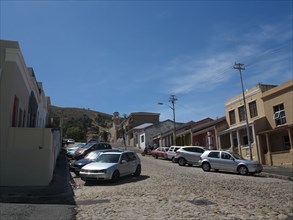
point(112, 166)
point(188, 155)
point(171, 153)
point(228, 161)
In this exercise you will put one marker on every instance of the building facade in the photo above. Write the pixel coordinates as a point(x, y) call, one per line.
point(276, 137)
point(26, 144)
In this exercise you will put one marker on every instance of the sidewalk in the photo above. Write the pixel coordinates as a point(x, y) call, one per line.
point(58, 192)
point(285, 173)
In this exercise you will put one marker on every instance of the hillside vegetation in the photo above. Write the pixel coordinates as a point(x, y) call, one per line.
point(80, 124)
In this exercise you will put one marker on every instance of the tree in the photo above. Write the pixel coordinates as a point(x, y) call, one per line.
point(104, 136)
point(76, 133)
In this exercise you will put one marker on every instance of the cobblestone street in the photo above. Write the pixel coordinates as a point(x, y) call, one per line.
point(167, 191)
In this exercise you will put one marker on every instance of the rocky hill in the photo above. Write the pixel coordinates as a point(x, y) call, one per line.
point(80, 124)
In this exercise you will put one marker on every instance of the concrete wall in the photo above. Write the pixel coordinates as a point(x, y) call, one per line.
point(29, 157)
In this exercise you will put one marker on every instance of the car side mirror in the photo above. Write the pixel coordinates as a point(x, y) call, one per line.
point(123, 161)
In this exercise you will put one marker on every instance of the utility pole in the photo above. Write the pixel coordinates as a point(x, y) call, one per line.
point(172, 99)
point(240, 67)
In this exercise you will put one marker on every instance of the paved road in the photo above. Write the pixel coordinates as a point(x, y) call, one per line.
point(168, 191)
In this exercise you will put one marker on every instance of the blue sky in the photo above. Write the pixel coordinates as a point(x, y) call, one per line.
point(127, 56)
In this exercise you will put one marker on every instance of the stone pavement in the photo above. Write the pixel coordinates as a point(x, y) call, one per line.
point(60, 192)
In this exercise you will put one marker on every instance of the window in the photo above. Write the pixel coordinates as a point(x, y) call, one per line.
point(142, 138)
point(245, 140)
point(241, 112)
point(225, 156)
point(286, 141)
point(279, 115)
point(232, 117)
point(214, 154)
point(252, 109)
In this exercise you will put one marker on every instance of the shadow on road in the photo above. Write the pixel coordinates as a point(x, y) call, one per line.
point(122, 180)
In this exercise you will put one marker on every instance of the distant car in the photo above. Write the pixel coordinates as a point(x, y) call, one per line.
point(89, 158)
point(69, 141)
point(112, 166)
point(84, 150)
point(188, 155)
point(171, 153)
point(70, 151)
point(160, 152)
point(228, 161)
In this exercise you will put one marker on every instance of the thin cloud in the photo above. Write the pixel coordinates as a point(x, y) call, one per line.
point(211, 70)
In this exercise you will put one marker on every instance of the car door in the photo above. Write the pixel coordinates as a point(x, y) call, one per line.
point(198, 152)
point(123, 165)
point(189, 154)
point(227, 162)
point(214, 159)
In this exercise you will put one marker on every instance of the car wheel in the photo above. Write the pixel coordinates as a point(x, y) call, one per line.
point(242, 170)
point(181, 161)
point(137, 171)
point(173, 160)
point(206, 166)
point(115, 175)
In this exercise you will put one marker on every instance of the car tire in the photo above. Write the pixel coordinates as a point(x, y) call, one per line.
point(115, 176)
point(76, 173)
point(173, 160)
point(137, 171)
point(242, 170)
point(206, 166)
point(181, 161)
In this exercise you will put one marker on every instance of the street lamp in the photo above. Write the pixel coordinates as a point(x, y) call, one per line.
point(172, 99)
point(240, 67)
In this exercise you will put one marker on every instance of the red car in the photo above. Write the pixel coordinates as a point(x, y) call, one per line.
point(160, 152)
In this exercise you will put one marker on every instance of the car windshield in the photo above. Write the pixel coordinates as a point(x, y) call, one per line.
point(237, 156)
point(108, 158)
point(92, 155)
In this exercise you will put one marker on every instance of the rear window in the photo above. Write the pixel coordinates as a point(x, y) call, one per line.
point(214, 154)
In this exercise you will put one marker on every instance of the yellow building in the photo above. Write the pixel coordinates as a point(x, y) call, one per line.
point(276, 138)
point(270, 131)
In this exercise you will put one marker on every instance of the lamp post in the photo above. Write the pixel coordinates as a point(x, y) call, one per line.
point(240, 67)
point(172, 99)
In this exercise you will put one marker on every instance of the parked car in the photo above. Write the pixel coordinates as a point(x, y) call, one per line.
point(89, 158)
point(112, 166)
point(68, 141)
point(171, 153)
point(228, 161)
point(160, 152)
point(188, 155)
point(70, 151)
point(84, 150)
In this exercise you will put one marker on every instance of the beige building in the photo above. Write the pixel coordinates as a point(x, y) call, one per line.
point(276, 138)
point(28, 150)
point(271, 137)
point(235, 115)
point(124, 132)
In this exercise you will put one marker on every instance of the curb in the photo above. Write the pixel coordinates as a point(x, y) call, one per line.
point(264, 174)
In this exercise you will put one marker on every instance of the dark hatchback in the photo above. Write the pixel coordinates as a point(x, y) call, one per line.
point(84, 150)
point(89, 158)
